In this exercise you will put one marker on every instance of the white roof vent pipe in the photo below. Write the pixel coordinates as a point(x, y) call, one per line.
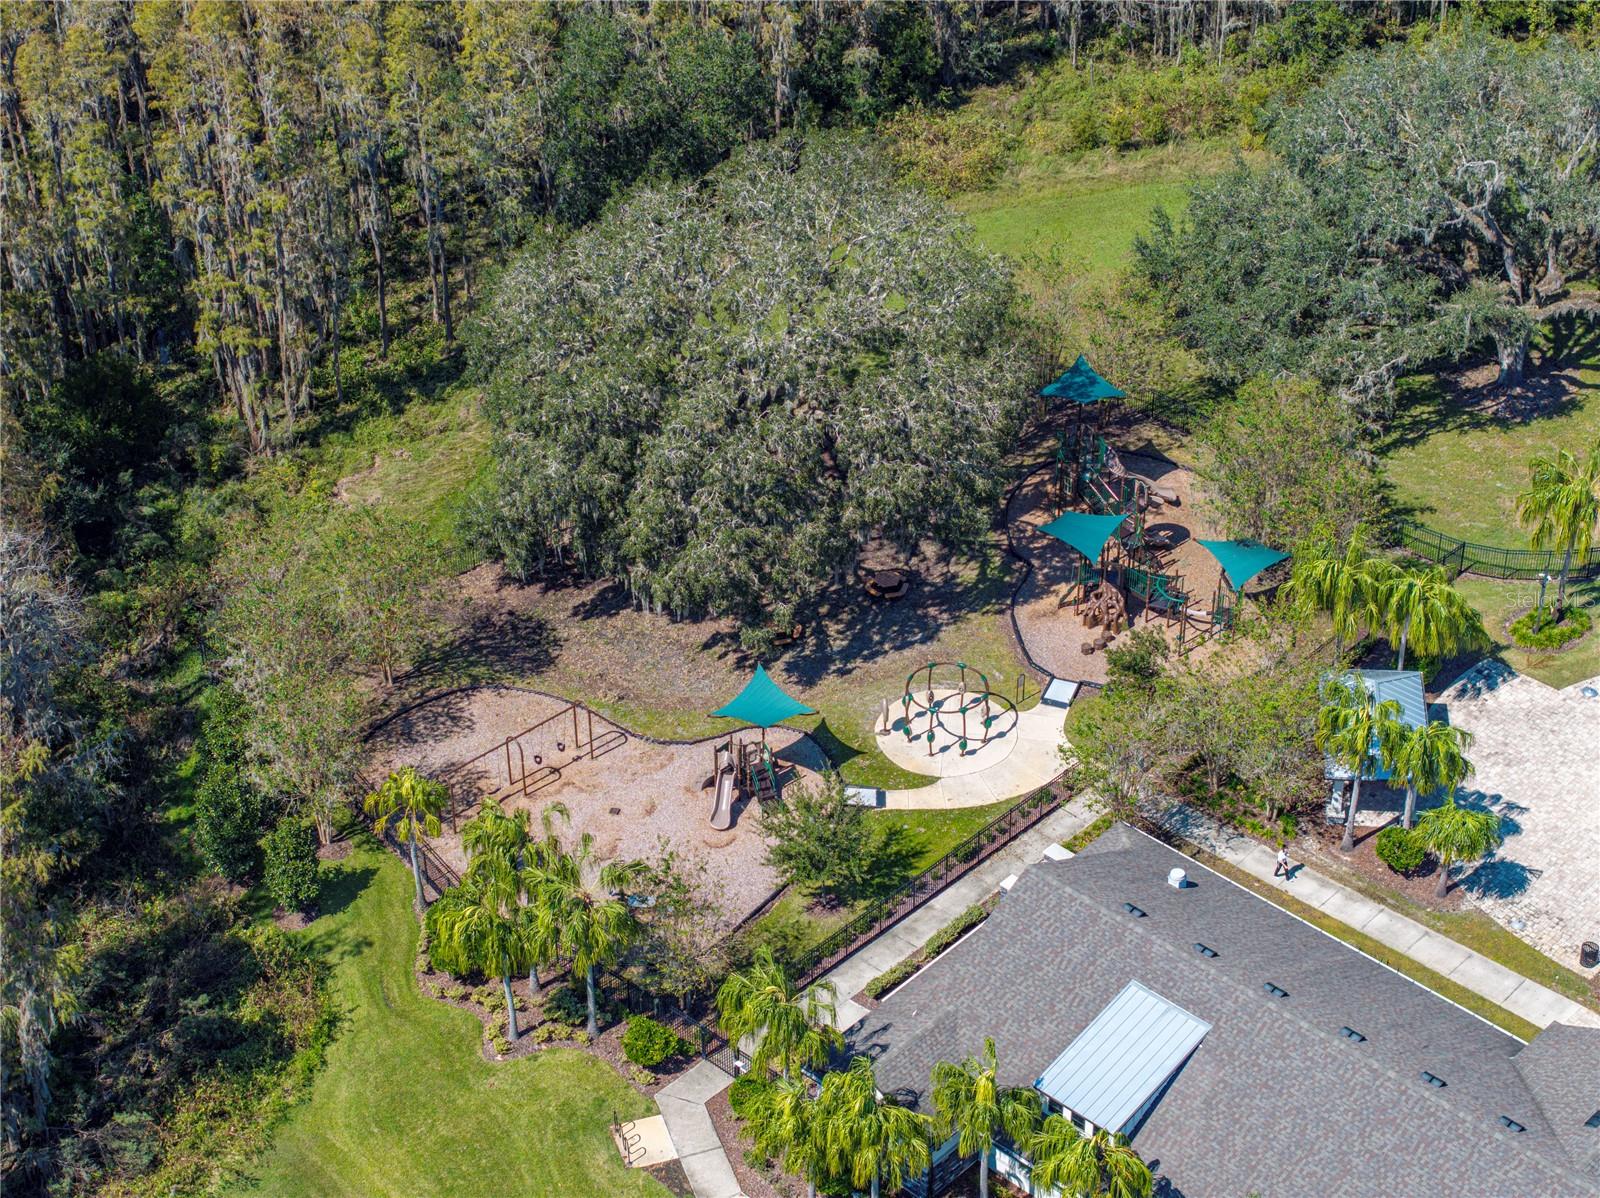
point(1177, 879)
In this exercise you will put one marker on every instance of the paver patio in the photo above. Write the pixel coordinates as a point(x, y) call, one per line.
point(1536, 757)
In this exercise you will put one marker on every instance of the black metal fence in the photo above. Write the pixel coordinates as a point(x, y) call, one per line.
point(1468, 557)
point(959, 861)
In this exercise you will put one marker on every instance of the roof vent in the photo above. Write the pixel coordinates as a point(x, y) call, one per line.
point(1176, 878)
point(1133, 911)
point(1433, 1080)
point(1508, 1121)
point(1593, 1120)
point(1350, 1033)
point(1205, 950)
point(1275, 991)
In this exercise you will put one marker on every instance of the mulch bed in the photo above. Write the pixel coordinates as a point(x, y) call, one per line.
point(753, 1182)
point(671, 1175)
point(337, 851)
point(1321, 849)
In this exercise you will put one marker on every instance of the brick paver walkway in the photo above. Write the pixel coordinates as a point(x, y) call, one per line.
point(1536, 753)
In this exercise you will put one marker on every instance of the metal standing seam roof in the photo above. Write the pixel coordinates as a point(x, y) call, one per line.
point(1402, 686)
point(1123, 1058)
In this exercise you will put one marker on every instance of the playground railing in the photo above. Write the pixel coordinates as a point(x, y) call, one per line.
point(1492, 561)
point(955, 864)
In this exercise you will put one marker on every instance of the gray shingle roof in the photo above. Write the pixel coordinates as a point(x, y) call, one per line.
point(1274, 1100)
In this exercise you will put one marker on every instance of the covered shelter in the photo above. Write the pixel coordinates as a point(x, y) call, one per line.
point(1240, 561)
point(1084, 531)
point(1081, 384)
point(762, 703)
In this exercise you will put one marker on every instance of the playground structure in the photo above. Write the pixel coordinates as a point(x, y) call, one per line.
point(949, 704)
point(741, 768)
point(1131, 573)
point(528, 761)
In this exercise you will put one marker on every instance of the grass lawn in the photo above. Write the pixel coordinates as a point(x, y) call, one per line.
point(1459, 469)
point(1498, 600)
point(1090, 206)
point(407, 1106)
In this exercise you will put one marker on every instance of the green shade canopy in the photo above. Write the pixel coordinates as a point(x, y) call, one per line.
point(1243, 560)
point(762, 703)
point(1086, 533)
point(1081, 384)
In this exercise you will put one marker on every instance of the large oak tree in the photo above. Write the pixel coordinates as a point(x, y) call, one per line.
point(717, 393)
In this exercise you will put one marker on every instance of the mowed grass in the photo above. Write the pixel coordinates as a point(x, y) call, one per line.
point(1499, 601)
point(407, 1106)
point(1096, 227)
point(1459, 469)
point(1089, 208)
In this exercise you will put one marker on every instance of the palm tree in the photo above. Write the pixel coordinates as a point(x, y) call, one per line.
point(1420, 606)
point(412, 804)
point(785, 1122)
point(477, 926)
point(492, 830)
point(1353, 728)
point(581, 908)
point(1341, 584)
point(1454, 834)
point(871, 1141)
point(972, 1103)
point(1561, 505)
point(791, 1027)
point(1100, 1164)
point(1429, 757)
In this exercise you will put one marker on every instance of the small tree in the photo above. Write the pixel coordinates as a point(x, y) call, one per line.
point(1421, 606)
point(1429, 757)
point(822, 843)
point(868, 1139)
point(1455, 834)
point(227, 823)
point(972, 1104)
point(581, 906)
point(411, 803)
point(1354, 728)
point(289, 867)
point(1101, 1164)
point(1560, 507)
point(791, 1028)
point(475, 927)
point(785, 1123)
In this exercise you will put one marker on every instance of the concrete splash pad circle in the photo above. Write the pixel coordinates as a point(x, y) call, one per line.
point(944, 758)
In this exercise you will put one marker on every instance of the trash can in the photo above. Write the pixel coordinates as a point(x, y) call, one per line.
point(1589, 954)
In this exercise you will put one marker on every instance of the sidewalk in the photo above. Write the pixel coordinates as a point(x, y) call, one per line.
point(683, 1109)
point(911, 933)
point(1521, 996)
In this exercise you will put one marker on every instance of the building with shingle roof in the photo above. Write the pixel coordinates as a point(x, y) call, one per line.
point(1290, 1063)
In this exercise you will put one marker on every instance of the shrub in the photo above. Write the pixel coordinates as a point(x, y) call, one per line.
point(290, 869)
point(454, 991)
point(1084, 837)
point(937, 943)
point(747, 1088)
point(502, 1046)
point(227, 823)
point(546, 1032)
point(568, 1006)
point(1539, 630)
point(1400, 849)
point(647, 1042)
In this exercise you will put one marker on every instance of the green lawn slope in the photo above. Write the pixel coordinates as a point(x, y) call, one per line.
point(407, 1106)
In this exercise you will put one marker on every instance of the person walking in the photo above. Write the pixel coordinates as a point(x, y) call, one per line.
point(1282, 868)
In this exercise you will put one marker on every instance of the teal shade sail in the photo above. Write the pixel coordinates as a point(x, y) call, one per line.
point(1081, 383)
point(1243, 560)
point(762, 703)
point(1084, 531)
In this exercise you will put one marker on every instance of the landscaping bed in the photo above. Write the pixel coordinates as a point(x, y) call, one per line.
point(1321, 848)
point(764, 1182)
